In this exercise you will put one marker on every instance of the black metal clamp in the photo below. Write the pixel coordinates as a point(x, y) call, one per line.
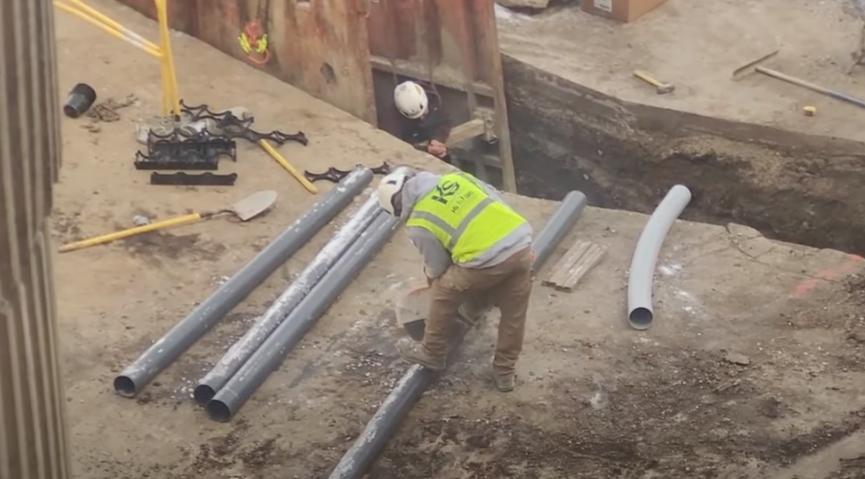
point(336, 175)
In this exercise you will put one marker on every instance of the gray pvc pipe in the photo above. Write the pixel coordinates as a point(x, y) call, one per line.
point(270, 354)
point(164, 351)
point(415, 381)
point(241, 350)
point(642, 270)
point(563, 219)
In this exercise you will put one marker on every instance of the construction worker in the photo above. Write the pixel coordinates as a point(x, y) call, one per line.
point(426, 126)
point(477, 253)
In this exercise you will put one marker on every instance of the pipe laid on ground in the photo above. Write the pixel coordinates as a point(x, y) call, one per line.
point(386, 419)
point(241, 350)
point(270, 354)
point(164, 351)
point(558, 226)
point(646, 254)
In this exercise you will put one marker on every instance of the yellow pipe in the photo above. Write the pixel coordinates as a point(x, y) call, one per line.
point(177, 221)
point(168, 58)
point(113, 23)
point(108, 29)
point(166, 100)
point(285, 164)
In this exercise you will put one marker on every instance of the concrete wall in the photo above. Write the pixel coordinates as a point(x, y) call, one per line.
point(32, 432)
point(801, 188)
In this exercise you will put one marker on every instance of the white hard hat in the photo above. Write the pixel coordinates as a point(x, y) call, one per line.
point(389, 187)
point(410, 99)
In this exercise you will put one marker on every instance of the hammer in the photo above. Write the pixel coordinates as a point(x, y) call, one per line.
point(660, 87)
point(755, 65)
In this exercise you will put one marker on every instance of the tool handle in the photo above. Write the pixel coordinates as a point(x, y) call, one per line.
point(845, 97)
point(646, 77)
point(811, 86)
point(125, 35)
point(285, 164)
point(177, 221)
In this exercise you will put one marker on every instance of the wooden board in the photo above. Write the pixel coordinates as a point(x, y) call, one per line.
point(578, 261)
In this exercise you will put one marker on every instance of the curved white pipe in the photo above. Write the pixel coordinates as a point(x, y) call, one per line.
point(646, 254)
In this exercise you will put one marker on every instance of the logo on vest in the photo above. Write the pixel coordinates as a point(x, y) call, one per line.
point(445, 192)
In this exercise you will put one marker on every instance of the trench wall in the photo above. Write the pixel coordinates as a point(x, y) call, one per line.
point(795, 187)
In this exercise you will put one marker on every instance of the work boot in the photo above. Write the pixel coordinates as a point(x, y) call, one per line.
point(505, 381)
point(415, 353)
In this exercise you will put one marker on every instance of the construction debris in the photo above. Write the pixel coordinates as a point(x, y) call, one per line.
point(335, 175)
point(200, 179)
point(79, 100)
point(579, 260)
point(737, 358)
point(107, 110)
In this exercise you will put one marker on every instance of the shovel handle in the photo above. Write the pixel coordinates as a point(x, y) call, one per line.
point(288, 167)
point(812, 86)
point(176, 221)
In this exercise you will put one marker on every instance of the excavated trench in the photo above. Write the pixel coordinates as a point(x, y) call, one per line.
point(792, 187)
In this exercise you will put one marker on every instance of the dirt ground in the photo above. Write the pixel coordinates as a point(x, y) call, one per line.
point(696, 46)
point(755, 366)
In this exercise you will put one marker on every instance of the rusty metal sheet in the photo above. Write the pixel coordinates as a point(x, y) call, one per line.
point(437, 35)
point(320, 46)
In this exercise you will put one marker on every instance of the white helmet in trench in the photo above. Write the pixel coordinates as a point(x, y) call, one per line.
point(410, 99)
point(389, 188)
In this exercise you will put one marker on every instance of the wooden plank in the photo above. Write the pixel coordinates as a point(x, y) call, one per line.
point(578, 261)
point(560, 270)
point(445, 75)
point(466, 131)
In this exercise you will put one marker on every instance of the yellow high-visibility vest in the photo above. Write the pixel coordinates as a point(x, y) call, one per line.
point(463, 217)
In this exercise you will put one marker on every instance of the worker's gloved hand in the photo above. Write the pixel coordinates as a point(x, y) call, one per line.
point(437, 149)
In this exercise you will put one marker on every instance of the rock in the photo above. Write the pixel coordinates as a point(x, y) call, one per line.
point(524, 3)
point(140, 220)
point(737, 358)
point(857, 336)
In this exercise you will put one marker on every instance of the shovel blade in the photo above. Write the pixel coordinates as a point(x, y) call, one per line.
point(415, 329)
point(412, 310)
point(254, 204)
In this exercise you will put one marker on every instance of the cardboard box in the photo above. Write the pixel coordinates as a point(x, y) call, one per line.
point(622, 10)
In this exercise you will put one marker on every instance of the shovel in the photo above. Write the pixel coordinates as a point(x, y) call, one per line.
point(245, 209)
point(412, 310)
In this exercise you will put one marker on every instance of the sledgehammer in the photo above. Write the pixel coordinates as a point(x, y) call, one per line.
point(741, 71)
point(661, 88)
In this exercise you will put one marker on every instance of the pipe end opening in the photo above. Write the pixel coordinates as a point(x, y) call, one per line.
point(203, 393)
point(70, 111)
point(640, 318)
point(124, 386)
point(218, 411)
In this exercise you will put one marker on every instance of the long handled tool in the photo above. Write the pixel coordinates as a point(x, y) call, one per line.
point(170, 95)
point(739, 72)
point(245, 209)
point(661, 88)
point(288, 166)
point(114, 28)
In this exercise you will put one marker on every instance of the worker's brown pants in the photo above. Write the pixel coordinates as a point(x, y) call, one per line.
point(507, 285)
